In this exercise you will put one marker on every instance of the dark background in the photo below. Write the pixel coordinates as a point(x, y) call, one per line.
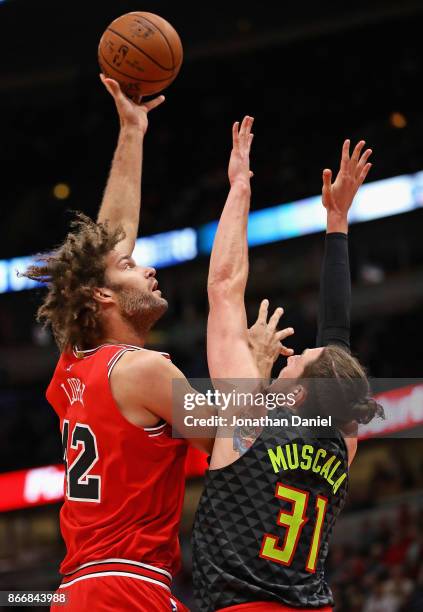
point(311, 74)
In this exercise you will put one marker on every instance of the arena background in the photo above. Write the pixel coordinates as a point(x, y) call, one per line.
point(312, 74)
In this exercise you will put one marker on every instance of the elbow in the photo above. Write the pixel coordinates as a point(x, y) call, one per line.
point(220, 280)
point(225, 287)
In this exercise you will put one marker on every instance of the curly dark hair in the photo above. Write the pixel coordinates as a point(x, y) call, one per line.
point(71, 272)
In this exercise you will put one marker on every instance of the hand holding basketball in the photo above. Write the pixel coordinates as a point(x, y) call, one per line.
point(239, 163)
point(130, 113)
point(142, 52)
point(338, 197)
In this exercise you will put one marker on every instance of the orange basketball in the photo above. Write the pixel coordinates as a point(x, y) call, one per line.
point(141, 51)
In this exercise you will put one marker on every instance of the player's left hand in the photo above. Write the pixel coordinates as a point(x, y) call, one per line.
point(131, 113)
point(239, 163)
point(265, 339)
point(338, 196)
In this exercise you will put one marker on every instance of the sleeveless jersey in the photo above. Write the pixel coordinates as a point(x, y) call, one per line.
point(124, 484)
point(264, 522)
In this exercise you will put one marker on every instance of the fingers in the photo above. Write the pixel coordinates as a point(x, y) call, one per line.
point(246, 125)
point(345, 156)
point(363, 160)
point(243, 136)
point(263, 312)
point(111, 85)
point(327, 186)
point(357, 151)
point(153, 103)
point(284, 333)
point(274, 319)
point(281, 335)
point(327, 178)
point(235, 134)
point(364, 173)
point(358, 166)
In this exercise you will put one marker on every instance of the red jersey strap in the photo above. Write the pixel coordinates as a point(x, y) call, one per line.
point(79, 354)
point(113, 360)
point(77, 364)
point(118, 567)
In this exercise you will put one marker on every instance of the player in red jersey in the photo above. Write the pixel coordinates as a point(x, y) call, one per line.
point(124, 472)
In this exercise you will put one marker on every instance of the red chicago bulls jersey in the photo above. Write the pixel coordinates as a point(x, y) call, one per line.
point(124, 484)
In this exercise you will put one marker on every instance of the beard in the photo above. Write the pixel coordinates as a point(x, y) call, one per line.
point(141, 309)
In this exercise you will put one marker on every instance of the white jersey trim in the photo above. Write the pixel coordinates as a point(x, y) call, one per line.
point(156, 428)
point(119, 560)
point(155, 431)
point(113, 361)
point(100, 574)
point(88, 352)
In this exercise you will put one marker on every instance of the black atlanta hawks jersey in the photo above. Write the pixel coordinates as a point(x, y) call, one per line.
point(263, 524)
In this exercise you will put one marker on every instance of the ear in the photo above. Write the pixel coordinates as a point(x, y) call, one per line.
point(300, 394)
point(103, 295)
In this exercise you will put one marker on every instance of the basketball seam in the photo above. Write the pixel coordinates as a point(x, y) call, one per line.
point(143, 52)
point(130, 76)
point(162, 33)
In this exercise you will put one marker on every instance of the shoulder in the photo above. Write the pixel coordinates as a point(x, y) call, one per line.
point(142, 379)
point(134, 365)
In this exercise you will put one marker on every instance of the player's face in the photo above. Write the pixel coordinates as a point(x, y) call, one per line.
point(134, 287)
point(296, 363)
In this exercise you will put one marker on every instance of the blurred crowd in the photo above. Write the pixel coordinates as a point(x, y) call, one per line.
point(382, 571)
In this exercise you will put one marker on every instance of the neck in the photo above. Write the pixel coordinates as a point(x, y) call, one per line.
point(123, 334)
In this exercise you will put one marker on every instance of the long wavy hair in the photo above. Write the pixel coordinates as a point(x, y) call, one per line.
point(338, 385)
point(71, 272)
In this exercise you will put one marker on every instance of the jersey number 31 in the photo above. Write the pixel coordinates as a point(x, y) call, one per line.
point(294, 522)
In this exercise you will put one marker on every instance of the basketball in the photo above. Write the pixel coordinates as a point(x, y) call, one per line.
point(141, 51)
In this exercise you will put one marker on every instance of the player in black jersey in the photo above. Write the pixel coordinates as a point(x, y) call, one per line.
point(264, 521)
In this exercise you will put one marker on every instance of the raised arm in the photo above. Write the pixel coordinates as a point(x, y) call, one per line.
point(228, 352)
point(122, 196)
point(335, 281)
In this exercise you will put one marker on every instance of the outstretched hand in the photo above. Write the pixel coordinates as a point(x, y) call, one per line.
point(239, 163)
point(131, 113)
point(338, 196)
point(265, 340)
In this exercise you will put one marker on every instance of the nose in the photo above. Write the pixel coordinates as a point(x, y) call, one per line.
point(150, 272)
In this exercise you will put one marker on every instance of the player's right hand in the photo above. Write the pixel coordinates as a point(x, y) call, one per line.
point(239, 163)
point(265, 340)
point(131, 113)
point(338, 196)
